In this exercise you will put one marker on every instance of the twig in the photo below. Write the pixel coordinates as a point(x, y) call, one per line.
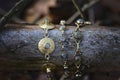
point(78, 9)
point(85, 7)
point(18, 6)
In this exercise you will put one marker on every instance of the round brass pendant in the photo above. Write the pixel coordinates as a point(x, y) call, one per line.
point(46, 45)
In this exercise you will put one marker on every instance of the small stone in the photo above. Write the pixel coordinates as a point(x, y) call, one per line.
point(64, 56)
point(47, 46)
point(78, 75)
point(62, 22)
point(80, 21)
point(62, 39)
point(62, 28)
point(77, 58)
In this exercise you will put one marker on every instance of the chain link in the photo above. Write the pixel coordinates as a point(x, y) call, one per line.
point(64, 55)
point(77, 38)
point(46, 33)
point(47, 57)
point(62, 29)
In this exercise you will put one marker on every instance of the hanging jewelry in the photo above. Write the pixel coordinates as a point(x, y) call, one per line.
point(63, 55)
point(47, 46)
point(78, 55)
point(78, 37)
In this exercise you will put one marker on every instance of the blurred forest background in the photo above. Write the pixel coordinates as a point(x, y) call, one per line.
point(100, 12)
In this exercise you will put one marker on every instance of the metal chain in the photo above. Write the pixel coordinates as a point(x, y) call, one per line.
point(47, 57)
point(63, 55)
point(62, 29)
point(78, 56)
point(46, 33)
point(77, 39)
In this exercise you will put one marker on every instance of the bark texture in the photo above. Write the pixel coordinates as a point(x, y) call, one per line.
point(100, 48)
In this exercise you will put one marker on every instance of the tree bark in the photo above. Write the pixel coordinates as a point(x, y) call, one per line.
point(100, 48)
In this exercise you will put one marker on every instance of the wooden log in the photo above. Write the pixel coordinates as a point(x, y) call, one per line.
point(100, 47)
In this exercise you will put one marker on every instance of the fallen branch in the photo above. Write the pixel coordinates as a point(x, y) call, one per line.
point(100, 47)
